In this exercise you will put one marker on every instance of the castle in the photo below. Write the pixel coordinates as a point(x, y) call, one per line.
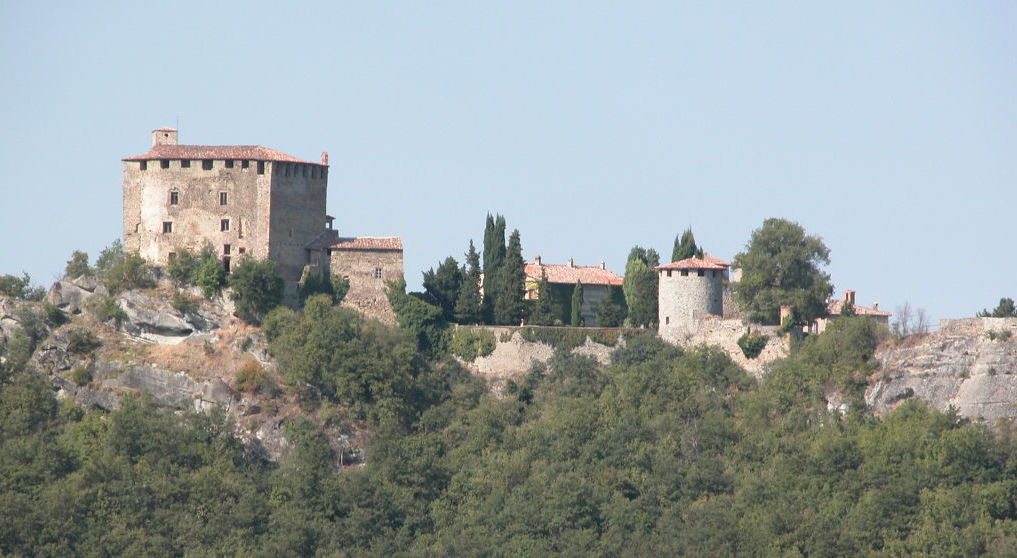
point(246, 200)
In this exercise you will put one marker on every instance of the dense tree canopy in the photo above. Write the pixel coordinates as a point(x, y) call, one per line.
point(1005, 309)
point(442, 286)
point(781, 267)
point(257, 289)
point(685, 247)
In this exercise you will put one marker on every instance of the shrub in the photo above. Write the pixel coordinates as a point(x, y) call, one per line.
point(323, 283)
point(20, 288)
point(106, 308)
point(210, 275)
point(119, 270)
point(183, 303)
point(53, 316)
point(81, 341)
point(257, 289)
point(77, 265)
point(251, 377)
point(184, 267)
point(469, 343)
point(752, 344)
point(80, 375)
point(999, 334)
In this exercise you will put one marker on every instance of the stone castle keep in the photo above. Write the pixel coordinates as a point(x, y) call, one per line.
point(246, 200)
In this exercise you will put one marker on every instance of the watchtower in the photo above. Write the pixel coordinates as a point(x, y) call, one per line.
point(691, 289)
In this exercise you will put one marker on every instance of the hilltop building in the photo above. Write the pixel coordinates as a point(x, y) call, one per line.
point(598, 283)
point(691, 289)
point(368, 263)
point(835, 309)
point(243, 200)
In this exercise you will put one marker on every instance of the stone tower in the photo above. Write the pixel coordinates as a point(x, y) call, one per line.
point(240, 199)
point(691, 289)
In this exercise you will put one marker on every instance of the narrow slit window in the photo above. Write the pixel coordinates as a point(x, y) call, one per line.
point(144, 165)
point(261, 167)
point(164, 163)
point(174, 197)
point(223, 198)
point(167, 227)
point(224, 225)
point(206, 164)
point(226, 264)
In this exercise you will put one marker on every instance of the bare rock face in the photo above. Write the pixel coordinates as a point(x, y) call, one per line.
point(969, 364)
point(70, 296)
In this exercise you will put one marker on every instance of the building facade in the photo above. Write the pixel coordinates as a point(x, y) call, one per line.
point(598, 284)
point(240, 199)
point(368, 263)
point(691, 289)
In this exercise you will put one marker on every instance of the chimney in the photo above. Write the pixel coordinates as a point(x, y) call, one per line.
point(164, 136)
point(571, 263)
point(603, 265)
point(537, 260)
point(324, 158)
point(849, 297)
point(875, 306)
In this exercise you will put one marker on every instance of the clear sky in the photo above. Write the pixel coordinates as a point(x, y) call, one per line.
point(889, 129)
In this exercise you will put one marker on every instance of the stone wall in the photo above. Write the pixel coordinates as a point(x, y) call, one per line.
point(725, 333)
point(367, 292)
point(297, 215)
point(685, 298)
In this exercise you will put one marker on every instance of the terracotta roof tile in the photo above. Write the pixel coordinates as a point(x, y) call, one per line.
point(706, 262)
point(835, 307)
point(253, 152)
point(567, 274)
point(368, 243)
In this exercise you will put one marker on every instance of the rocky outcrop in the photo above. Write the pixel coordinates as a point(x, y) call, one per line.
point(71, 295)
point(969, 364)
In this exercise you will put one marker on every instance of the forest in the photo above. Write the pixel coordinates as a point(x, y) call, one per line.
point(662, 452)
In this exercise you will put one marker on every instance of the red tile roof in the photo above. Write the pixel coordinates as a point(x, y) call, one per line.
point(567, 274)
point(253, 152)
point(706, 262)
point(369, 243)
point(834, 308)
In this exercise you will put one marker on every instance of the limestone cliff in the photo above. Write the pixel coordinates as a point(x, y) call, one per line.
point(968, 364)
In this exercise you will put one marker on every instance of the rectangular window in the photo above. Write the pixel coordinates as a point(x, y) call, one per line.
point(174, 197)
point(314, 172)
point(286, 170)
point(669, 273)
point(242, 249)
point(305, 171)
point(377, 273)
point(261, 167)
point(226, 264)
point(245, 164)
point(667, 320)
point(222, 198)
point(224, 225)
point(685, 273)
point(167, 227)
point(206, 164)
point(702, 272)
point(226, 249)
point(172, 256)
point(229, 163)
point(144, 165)
point(185, 163)
point(164, 163)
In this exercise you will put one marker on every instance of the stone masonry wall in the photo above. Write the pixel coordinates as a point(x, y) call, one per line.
point(367, 292)
point(682, 299)
point(297, 214)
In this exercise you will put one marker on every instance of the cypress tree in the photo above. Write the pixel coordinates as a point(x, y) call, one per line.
point(442, 286)
point(685, 247)
point(467, 309)
point(640, 286)
point(577, 305)
point(494, 254)
point(510, 285)
point(545, 311)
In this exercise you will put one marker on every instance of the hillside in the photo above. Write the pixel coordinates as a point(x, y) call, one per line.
point(641, 450)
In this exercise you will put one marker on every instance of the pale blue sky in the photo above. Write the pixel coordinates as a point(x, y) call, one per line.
point(888, 129)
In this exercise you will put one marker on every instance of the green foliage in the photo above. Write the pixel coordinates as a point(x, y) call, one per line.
point(610, 311)
point(82, 341)
point(685, 247)
point(80, 375)
point(640, 287)
point(470, 343)
point(509, 286)
point(1005, 309)
point(257, 289)
point(183, 303)
point(494, 254)
point(442, 286)
point(119, 270)
point(545, 311)
point(53, 316)
point(210, 275)
point(999, 334)
point(312, 283)
point(421, 319)
point(251, 377)
point(77, 266)
point(781, 267)
point(105, 309)
point(183, 269)
point(468, 307)
point(576, 316)
point(752, 344)
point(20, 288)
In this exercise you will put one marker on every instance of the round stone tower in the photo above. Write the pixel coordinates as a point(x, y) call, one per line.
point(690, 289)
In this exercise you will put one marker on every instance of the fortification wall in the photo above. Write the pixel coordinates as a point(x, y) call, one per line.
point(367, 290)
point(725, 333)
point(297, 214)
